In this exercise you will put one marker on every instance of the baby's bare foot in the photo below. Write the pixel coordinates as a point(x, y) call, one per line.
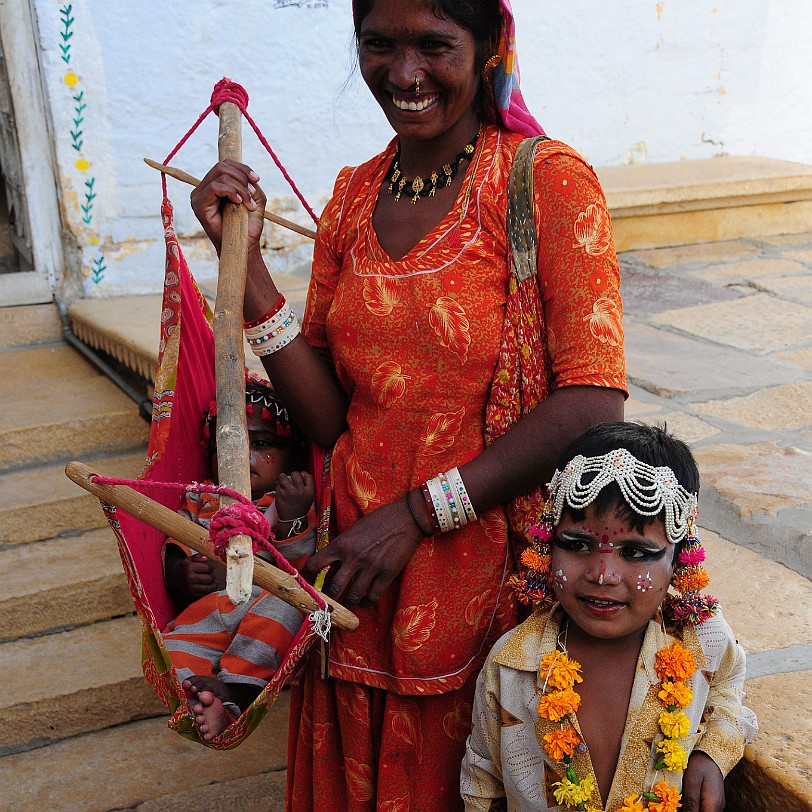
point(211, 715)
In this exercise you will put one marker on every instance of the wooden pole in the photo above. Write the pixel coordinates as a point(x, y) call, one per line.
point(141, 507)
point(185, 177)
point(229, 360)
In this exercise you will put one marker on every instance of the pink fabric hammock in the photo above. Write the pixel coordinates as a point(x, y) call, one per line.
point(184, 389)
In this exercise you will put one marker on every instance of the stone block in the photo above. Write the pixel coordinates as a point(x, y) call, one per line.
point(40, 503)
point(777, 408)
point(60, 583)
point(759, 324)
point(743, 579)
point(132, 764)
point(762, 270)
point(687, 256)
point(776, 769)
point(61, 685)
point(30, 324)
point(668, 364)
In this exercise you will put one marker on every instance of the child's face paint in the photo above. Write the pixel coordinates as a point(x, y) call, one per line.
point(616, 577)
point(269, 454)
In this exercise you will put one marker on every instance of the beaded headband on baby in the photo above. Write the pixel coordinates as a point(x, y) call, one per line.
point(648, 490)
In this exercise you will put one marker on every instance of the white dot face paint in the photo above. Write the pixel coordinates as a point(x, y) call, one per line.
point(560, 579)
point(644, 582)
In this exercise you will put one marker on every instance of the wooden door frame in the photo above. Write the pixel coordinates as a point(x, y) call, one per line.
point(19, 40)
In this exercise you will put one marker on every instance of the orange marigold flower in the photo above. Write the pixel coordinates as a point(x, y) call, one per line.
point(690, 579)
point(674, 662)
point(560, 743)
point(669, 798)
point(557, 704)
point(559, 671)
point(676, 693)
point(535, 561)
point(634, 803)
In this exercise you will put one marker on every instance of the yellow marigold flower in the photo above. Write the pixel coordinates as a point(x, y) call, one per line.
point(676, 693)
point(560, 743)
point(535, 561)
point(669, 798)
point(691, 579)
point(559, 671)
point(674, 662)
point(674, 757)
point(573, 794)
point(634, 803)
point(675, 724)
point(557, 704)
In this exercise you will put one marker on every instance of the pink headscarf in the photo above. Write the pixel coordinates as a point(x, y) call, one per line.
point(509, 102)
point(511, 107)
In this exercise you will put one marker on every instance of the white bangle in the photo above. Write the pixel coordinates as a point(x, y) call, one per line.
point(281, 337)
point(458, 486)
point(440, 505)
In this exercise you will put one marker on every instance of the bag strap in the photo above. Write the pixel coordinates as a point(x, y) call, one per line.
point(521, 221)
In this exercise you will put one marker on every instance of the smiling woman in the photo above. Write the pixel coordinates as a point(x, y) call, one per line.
point(438, 408)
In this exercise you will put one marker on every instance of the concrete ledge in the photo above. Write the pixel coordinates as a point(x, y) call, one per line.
point(685, 202)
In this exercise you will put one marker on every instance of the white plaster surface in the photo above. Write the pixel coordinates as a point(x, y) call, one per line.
point(623, 82)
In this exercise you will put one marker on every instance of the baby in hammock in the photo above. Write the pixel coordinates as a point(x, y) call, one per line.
point(224, 654)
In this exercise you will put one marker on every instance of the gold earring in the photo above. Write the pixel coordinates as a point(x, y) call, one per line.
point(491, 63)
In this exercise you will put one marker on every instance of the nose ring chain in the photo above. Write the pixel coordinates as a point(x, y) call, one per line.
point(417, 85)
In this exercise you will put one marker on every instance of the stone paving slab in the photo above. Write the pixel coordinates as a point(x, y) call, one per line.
point(758, 270)
point(60, 685)
point(669, 364)
point(131, 764)
point(778, 764)
point(265, 792)
point(775, 408)
point(743, 580)
point(759, 324)
point(37, 500)
point(64, 582)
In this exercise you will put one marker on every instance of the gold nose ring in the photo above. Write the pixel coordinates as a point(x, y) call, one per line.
point(416, 85)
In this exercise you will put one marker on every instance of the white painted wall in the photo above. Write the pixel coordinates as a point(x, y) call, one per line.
point(627, 80)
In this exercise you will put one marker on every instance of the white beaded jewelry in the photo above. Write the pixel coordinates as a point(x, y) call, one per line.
point(440, 507)
point(647, 489)
point(277, 332)
point(458, 486)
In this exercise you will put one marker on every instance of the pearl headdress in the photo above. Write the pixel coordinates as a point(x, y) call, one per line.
point(648, 490)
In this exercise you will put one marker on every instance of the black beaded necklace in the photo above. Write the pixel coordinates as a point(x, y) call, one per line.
point(426, 188)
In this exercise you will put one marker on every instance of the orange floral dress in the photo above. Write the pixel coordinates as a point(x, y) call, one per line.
point(415, 343)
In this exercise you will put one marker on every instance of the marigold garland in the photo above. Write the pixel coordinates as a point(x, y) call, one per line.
point(674, 665)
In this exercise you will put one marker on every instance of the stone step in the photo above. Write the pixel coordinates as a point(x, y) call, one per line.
point(71, 581)
point(49, 416)
point(685, 202)
point(30, 324)
point(41, 503)
point(145, 766)
point(61, 685)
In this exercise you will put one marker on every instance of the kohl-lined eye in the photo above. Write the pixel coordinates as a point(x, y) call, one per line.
point(635, 553)
point(572, 544)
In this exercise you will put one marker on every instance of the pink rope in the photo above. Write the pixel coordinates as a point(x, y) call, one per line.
point(227, 91)
point(242, 517)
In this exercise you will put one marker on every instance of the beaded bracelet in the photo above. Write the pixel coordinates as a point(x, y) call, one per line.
point(448, 501)
point(274, 333)
point(280, 303)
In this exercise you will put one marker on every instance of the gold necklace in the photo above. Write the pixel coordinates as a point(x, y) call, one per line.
point(427, 188)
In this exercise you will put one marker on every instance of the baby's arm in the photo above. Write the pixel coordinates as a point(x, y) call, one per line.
point(481, 778)
point(188, 577)
point(295, 493)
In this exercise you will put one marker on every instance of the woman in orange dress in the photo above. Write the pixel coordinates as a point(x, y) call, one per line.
point(400, 369)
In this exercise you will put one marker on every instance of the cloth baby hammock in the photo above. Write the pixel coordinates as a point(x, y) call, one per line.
point(184, 389)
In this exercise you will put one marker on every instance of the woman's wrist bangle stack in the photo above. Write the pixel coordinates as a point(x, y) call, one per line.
point(276, 330)
point(448, 501)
